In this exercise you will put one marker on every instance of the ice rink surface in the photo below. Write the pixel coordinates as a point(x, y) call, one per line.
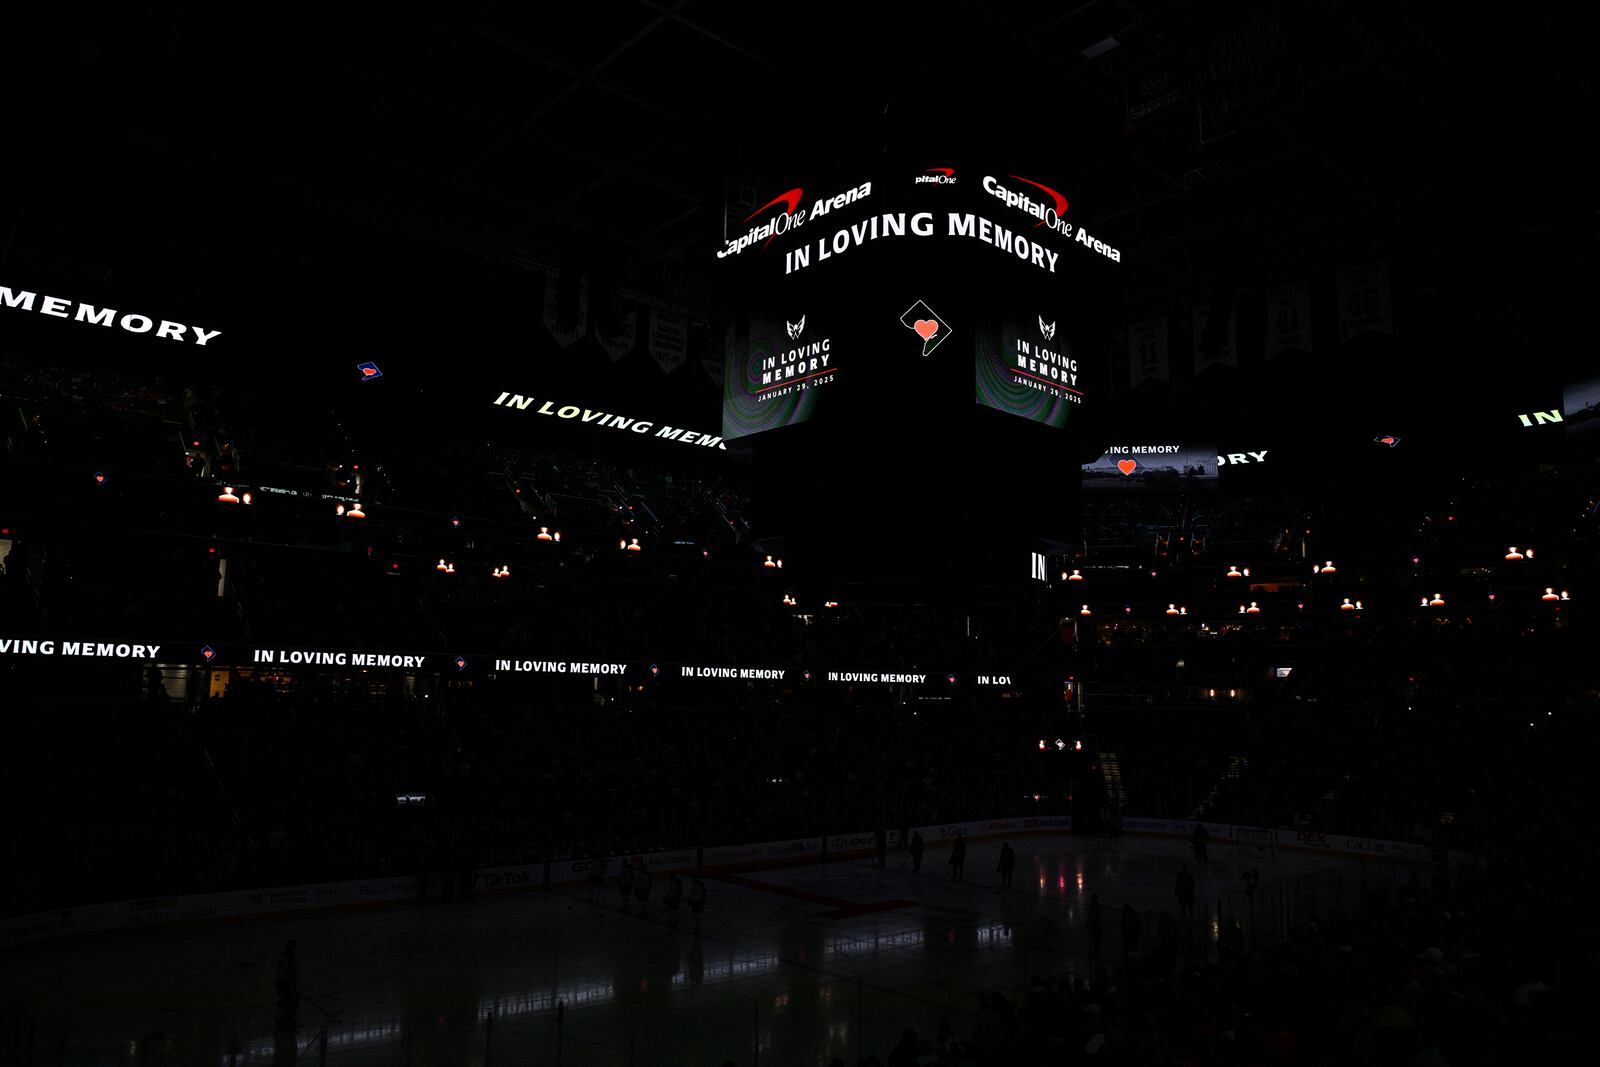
point(794, 966)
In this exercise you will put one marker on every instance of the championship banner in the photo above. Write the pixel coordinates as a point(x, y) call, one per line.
point(669, 339)
point(716, 366)
point(1249, 65)
point(565, 335)
point(1365, 305)
point(621, 343)
point(1147, 352)
point(714, 370)
point(1223, 356)
point(1289, 318)
point(1153, 62)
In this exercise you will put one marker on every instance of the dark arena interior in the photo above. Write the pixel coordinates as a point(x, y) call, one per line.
point(556, 534)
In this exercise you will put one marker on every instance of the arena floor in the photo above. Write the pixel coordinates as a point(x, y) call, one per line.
point(794, 966)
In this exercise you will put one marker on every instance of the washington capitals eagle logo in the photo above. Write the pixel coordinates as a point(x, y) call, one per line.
point(795, 328)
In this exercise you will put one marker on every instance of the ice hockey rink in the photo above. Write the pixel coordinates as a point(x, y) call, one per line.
point(792, 966)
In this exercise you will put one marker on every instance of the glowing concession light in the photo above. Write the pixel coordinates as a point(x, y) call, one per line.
point(1513, 554)
point(227, 495)
point(1074, 577)
point(544, 534)
point(1085, 610)
point(1347, 606)
point(1326, 568)
point(1437, 601)
point(1172, 609)
point(1233, 572)
point(1549, 594)
point(1253, 609)
point(441, 566)
point(355, 511)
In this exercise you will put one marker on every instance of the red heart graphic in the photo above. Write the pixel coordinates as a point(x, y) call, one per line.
point(1126, 465)
point(926, 328)
point(369, 371)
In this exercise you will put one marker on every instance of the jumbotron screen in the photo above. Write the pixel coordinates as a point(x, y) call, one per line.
point(1030, 369)
point(909, 287)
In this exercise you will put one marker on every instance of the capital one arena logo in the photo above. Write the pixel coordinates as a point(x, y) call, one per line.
point(1047, 211)
point(780, 223)
point(792, 216)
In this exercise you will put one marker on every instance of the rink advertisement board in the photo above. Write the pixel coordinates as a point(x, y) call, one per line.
point(796, 850)
point(526, 876)
point(884, 299)
point(1252, 836)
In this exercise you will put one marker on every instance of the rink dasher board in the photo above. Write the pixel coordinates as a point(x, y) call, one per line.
point(98, 918)
point(771, 855)
point(1315, 841)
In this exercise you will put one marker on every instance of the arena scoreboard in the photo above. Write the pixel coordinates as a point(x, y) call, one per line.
point(921, 336)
